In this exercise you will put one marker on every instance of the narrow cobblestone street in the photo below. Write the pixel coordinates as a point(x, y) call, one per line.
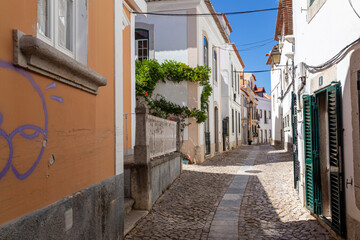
point(228, 198)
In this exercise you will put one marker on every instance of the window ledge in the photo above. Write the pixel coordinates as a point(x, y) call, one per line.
point(33, 54)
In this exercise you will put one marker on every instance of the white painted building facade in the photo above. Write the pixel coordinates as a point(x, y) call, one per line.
point(231, 100)
point(327, 62)
point(265, 123)
point(186, 39)
point(281, 95)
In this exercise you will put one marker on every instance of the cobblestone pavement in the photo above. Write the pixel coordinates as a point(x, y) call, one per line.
point(185, 211)
point(270, 207)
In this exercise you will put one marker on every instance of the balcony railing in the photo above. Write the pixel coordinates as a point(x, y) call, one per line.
point(162, 136)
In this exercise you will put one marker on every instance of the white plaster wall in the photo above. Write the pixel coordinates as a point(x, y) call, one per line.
point(170, 43)
point(316, 42)
point(276, 104)
point(170, 37)
point(264, 104)
point(207, 27)
point(228, 58)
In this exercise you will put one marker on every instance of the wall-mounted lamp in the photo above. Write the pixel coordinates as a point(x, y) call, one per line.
point(276, 55)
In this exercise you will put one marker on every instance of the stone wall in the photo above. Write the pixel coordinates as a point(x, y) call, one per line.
point(147, 177)
point(95, 212)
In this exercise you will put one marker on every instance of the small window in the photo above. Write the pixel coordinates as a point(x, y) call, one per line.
point(260, 113)
point(206, 52)
point(235, 83)
point(232, 76)
point(269, 114)
point(265, 115)
point(215, 72)
point(142, 44)
point(55, 24)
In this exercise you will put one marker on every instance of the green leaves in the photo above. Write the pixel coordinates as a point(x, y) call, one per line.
point(150, 72)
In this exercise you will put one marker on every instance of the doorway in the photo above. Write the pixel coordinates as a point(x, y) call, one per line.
point(324, 184)
point(207, 132)
point(216, 132)
point(236, 129)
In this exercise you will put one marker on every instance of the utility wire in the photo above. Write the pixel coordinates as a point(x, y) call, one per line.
point(247, 44)
point(255, 47)
point(357, 14)
point(246, 49)
point(256, 71)
point(334, 60)
point(207, 14)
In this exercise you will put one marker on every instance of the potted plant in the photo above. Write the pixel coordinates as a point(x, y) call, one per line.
point(186, 159)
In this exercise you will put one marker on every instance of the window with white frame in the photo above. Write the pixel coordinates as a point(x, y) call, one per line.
point(232, 76)
point(235, 80)
point(206, 52)
point(56, 24)
point(269, 114)
point(264, 115)
point(215, 70)
point(260, 113)
point(142, 44)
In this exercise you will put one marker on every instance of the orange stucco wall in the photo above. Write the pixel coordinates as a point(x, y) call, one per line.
point(127, 83)
point(80, 132)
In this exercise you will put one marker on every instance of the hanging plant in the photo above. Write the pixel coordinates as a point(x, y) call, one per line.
point(150, 72)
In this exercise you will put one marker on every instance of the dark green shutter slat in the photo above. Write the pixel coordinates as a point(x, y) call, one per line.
point(335, 132)
point(296, 163)
point(312, 164)
point(309, 181)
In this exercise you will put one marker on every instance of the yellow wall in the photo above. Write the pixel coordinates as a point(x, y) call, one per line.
point(80, 129)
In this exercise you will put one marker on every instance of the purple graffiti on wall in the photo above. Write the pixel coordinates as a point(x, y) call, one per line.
point(21, 129)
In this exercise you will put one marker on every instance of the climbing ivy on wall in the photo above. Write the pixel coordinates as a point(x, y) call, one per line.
point(150, 72)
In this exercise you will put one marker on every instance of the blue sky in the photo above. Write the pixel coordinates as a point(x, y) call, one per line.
point(249, 28)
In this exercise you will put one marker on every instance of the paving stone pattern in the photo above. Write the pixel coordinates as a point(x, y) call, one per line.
point(225, 223)
point(270, 208)
point(186, 210)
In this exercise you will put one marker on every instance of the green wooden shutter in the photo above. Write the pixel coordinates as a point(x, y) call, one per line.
point(308, 147)
point(335, 155)
point(312, 165)
point(295, 140)
point(311, 2)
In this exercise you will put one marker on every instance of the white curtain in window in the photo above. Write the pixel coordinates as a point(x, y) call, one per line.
point(43, 17)
point(65, 23)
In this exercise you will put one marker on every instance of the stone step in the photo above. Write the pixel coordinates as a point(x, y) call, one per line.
point(131, 219)
point(128, 204)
